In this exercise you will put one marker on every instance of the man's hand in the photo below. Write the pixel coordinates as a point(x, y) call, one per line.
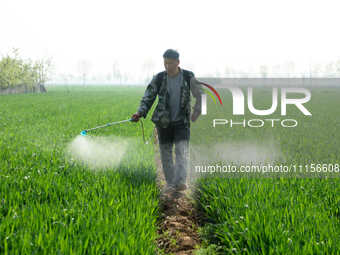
point(135, 117)
point(195, 115)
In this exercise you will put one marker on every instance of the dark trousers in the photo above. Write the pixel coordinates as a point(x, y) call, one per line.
point(176, 134)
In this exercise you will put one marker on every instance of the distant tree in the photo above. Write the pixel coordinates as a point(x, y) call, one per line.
point(217, 73)
point(227, 71)
point(71, 77)
point(276, 69)
point(43, 70)
point(64, 77)
point(84, 67)
point(316, 70)
point(125, 77)
point(337, 67)
point(148, 68)
point(14, 71)
point(289, 68)
point(329, 69)
point(116, 74)
point(264, 71)
point(108, 77)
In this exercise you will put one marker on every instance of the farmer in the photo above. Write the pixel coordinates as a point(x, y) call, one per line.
point(172, 116)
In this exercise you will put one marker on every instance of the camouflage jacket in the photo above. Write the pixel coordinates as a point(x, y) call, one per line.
point(161, 115)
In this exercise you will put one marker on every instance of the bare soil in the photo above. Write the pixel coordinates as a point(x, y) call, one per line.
point(179, 220)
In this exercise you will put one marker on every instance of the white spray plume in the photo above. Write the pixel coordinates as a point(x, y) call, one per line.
point(97, 152)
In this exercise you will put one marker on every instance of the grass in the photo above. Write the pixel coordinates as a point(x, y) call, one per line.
point(276, 213)
point(51, 205)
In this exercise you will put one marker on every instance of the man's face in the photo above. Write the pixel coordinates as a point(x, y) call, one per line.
point(171, 65)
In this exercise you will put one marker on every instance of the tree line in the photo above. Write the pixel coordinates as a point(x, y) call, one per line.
point(15, 71)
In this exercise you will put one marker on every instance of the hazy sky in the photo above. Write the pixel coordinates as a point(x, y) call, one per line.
point(208, 34)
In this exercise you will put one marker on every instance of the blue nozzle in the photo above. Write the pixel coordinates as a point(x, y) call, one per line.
point(83, 133)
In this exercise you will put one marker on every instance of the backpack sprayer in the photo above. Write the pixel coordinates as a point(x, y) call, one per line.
point(84, 132)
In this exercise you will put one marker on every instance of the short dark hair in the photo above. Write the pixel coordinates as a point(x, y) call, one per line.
point(170, 53)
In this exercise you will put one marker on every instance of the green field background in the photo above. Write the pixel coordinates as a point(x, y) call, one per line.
point(272, 213)
point(51, 205)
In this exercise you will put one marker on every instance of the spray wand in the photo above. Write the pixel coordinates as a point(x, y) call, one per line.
point(84, 132)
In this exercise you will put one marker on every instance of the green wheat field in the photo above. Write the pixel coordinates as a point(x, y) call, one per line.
point(51, 203)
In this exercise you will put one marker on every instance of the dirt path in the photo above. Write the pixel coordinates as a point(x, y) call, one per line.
point(178, 221)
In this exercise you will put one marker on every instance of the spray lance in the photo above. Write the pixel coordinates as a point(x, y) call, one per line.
point(84, 132)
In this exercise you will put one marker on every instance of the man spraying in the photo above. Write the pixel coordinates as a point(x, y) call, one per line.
point(172, 116)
